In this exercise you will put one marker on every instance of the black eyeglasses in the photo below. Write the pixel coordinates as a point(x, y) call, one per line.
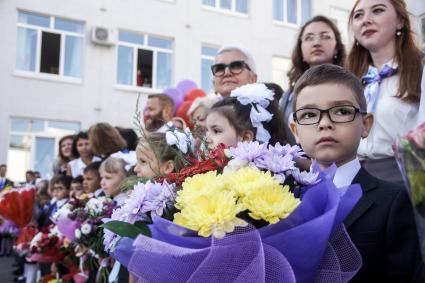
point(235, 67)
point(337, 114)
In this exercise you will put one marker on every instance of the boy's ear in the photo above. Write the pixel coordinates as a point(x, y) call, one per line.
point(367, 124)
point(294, 131)
point(167, 167)
point(248, 135)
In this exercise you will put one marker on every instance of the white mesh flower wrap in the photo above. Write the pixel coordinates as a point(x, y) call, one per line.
point(259, 96)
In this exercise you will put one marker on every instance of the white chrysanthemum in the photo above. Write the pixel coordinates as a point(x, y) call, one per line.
point(86, 229)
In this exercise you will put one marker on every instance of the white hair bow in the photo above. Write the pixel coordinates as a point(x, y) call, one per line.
point(183, 140)
point(259, 96)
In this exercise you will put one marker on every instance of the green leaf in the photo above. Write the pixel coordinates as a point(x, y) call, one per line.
point(125, 229)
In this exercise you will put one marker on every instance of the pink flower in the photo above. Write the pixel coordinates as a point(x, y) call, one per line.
point(417, 136)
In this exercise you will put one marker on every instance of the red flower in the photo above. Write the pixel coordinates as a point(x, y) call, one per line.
point(216, 160)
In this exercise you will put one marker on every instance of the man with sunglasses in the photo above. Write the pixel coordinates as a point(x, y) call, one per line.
point(233, 67)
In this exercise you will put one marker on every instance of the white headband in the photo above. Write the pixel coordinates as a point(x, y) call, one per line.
point(259, 96)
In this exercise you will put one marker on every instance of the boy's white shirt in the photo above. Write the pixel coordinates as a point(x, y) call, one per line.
point(345, 174)
point(98, 192)
point(61, 202)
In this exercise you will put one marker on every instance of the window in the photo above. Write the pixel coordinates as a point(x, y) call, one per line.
point(295, 12)
point(207, 59)
point(280, 67)
point(144, 60)
point(340, 17)
point(234, 6)
point(49, 45)
point(33, 145)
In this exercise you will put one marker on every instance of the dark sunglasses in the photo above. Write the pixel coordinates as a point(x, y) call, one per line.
point(235, 67)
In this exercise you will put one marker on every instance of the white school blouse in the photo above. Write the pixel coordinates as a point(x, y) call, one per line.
point(77, 165)
point(393, 118)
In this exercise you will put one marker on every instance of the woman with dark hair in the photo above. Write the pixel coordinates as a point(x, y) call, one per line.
point(84, 156)
point(130, 137)
point(387, 60)
point(64, 156)
point(318, 42)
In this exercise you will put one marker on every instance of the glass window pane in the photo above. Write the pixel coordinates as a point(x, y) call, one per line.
point(50, 52)
point(44, 155)
point(33, 19)
point(209, 2)
point(73, 65)
point(163, 70)
point(125, 65)
point(26, 125)
point(242, 6)
point(68, 126)
point(226, 4)
point(17, 141)
point(26, 47)
point(69, 25)
point(305, 11)
point(206, 75)
point(292, 11)
point(209, 51)
point(131, 37)
point(159, 42)
point(144, 68)
point(278, 10)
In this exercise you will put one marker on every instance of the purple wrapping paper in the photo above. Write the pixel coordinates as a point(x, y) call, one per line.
point(67, 226)
point(311, 244)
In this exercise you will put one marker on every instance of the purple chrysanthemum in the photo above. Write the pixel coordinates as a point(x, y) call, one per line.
point(157, 197)
point(304, 177)
point(275, 163)
point(249, 151)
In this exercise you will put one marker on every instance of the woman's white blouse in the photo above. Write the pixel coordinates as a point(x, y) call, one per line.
point(77, 165)
point(393, 118)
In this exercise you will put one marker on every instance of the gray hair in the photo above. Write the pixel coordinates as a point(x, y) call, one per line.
point(206, 101)
point(249, 59)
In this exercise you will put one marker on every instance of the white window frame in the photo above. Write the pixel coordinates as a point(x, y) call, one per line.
point(285, 15)
point(284, 81)
point(145, 46)
point(51, 29)
point(232, 11)
point(207, 57)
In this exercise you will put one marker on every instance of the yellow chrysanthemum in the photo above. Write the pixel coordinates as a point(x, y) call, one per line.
point(271, 203)
point(198, 185)
point(248, 179)
point(213, 213)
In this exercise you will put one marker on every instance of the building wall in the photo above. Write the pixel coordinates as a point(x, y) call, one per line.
point(97, 98)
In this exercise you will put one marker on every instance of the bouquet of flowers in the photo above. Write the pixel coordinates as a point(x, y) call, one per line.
point(45, 246)
point(16, 205)
point(79, 220)
point(410, 154)
point(240, 205)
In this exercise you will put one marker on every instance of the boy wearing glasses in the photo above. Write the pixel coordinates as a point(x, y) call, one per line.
point(329, 120)
point(234, 67)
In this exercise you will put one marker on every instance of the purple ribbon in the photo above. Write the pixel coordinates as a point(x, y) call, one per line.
point(301, 248)
point(372, 80)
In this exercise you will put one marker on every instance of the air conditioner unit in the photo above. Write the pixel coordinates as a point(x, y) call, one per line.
point(103, 36)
